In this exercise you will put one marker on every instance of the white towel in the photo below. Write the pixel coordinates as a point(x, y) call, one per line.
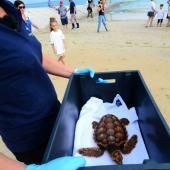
point(93, 110)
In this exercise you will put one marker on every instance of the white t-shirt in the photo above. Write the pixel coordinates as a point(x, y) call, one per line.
point(160, 14)
point(57, 38)
point(152, 6)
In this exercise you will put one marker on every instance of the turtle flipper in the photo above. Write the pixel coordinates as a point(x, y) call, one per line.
point(124, 121)
point(130, 144)
point(116, 156)
point(92, 152)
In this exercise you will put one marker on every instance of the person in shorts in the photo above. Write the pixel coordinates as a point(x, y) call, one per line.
point(72, 9)
point(57, 41)
point(160, 15)
point(62, 11)
point(151, 13)
point(89, 11)
point(168, 14)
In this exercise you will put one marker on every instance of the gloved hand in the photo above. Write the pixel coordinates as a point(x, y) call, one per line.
point(85, 71)
point(100, 80)
point(63, 163)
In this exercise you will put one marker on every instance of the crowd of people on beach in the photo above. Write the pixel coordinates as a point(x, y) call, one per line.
point(159, 13)
point(56, 35)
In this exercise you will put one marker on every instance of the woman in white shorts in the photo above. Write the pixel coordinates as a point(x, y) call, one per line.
point(151, 13)
point(168, 14)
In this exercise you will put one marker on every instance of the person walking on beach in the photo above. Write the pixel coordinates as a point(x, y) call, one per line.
point(168, 14)
point(151, 13)
point(57, 41)
point(28, 101)
point(89, 11)
point(101, 16)
point(160, 15)
point(72, 9)
point(21, 6)
point(62, 11)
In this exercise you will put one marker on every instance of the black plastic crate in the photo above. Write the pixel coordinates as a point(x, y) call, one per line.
point(132, 88)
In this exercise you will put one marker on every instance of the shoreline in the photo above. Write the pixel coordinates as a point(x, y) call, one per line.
point(40, 16)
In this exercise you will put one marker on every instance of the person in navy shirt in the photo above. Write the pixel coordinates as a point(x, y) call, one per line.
point(72, 9)
point(28, 101)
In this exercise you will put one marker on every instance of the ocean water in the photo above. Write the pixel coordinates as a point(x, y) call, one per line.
point(125, 9)
point(134, 9)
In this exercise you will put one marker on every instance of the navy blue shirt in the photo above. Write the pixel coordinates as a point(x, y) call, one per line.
point(72, 5)
point(28, 102)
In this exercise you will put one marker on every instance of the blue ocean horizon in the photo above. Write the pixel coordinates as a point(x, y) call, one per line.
point(138, 4)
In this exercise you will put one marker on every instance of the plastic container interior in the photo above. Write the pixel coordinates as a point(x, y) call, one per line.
point(132, 88)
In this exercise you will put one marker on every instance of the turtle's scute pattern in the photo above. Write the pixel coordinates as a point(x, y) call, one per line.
point(110, 134)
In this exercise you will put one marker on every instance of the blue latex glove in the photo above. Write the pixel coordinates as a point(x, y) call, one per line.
point(63, 163)
point(85, 71)
point(100, 80)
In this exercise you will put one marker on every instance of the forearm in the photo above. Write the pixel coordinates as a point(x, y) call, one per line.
point(35, 26)
point(52, 66)
point(9, 164)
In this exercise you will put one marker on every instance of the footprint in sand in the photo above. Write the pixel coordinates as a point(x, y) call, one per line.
point(128, 42)
point(167, 96)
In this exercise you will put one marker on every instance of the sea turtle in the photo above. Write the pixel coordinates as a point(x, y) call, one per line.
point(110, 134)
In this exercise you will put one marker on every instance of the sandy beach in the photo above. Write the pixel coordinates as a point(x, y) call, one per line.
point(127, 46)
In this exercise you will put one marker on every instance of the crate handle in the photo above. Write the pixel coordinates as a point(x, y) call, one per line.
point(105, 81)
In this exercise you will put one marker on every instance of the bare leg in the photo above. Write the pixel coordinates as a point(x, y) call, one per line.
point(65, 27)
point(148, 21)
point(129, 145)
point(151, 21)
point(168, 24)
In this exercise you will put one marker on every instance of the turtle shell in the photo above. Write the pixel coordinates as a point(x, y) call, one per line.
point(110, 131)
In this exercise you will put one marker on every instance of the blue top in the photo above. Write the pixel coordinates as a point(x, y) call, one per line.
point(28, 23)
point(28, 102)
point(63, 12)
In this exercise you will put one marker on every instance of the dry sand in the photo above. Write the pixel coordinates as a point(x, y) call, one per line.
point(127, 46)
